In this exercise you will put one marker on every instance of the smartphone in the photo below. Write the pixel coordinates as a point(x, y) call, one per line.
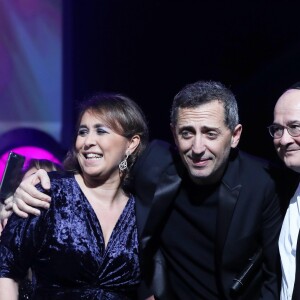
point(12, 172)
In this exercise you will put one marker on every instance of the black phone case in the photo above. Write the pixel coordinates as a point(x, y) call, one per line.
point(11, 174)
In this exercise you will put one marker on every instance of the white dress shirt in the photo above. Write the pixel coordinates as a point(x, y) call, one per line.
point(288, 245)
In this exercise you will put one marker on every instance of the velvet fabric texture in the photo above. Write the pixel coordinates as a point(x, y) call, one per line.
point(65, 249)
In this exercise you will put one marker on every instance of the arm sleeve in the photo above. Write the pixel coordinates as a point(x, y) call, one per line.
point(272, 221)
point(19, 244)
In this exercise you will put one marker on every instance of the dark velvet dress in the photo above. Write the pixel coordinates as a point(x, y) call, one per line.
point(65, 248)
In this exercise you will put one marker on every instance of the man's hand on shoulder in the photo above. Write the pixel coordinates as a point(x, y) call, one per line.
point(27, 198)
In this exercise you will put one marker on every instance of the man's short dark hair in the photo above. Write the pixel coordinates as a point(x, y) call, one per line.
point(200, 92)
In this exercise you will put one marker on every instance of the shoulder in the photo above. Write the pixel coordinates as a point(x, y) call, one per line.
point(250, 158)
point(251, 172)
point(156, 158)
point(258, 165)
point(60, 175)
point(158, 149)
point(158, 152)
point(60, 178)
point(62, 186)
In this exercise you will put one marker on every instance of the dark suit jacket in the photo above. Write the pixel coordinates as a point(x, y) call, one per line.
point(248, 218)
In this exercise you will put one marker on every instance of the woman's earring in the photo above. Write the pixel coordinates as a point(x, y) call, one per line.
point(123, 164)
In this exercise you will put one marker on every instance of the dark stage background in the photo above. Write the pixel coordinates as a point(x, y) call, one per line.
point(150, 49)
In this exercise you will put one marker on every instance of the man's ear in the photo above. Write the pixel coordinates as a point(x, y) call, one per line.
point(236, 135)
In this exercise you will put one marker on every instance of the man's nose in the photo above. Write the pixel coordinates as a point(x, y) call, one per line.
point(286, 138)
point(199, 144)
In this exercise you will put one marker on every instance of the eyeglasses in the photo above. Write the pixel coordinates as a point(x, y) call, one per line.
point(276, 131)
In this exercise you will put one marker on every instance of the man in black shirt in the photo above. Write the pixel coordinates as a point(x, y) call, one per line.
point(207, 208)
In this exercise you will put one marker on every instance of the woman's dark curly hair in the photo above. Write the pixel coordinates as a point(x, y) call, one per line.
point(122, 115)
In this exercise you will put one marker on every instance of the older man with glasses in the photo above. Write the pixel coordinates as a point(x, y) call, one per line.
point(285, 131)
